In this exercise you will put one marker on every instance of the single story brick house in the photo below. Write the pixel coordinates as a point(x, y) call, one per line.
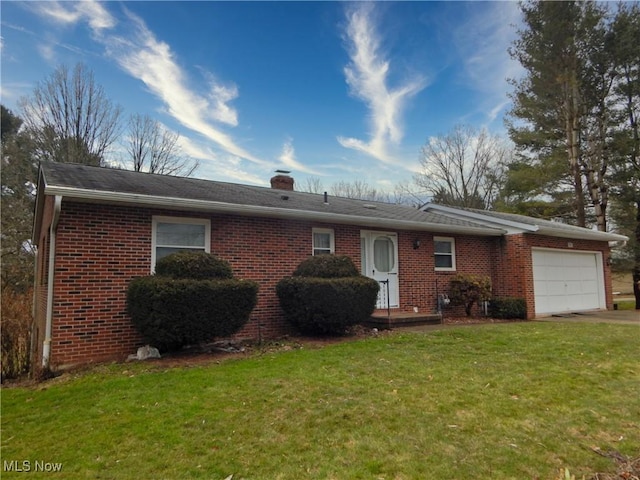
point(97, 228)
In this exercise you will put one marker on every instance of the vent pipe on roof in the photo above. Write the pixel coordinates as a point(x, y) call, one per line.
point(282, 180)
point(326, 197)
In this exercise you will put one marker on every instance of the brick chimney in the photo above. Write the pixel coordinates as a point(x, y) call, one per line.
point(282, 181)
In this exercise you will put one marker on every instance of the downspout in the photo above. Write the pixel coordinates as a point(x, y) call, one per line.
point(46, 346)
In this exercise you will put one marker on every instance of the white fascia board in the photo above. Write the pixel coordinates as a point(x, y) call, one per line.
point(510, 225)
point(514, 227)
point(98, 196)
point(582, 234)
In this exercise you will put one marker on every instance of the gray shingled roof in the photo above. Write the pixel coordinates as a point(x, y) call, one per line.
point(108, 185)
point(539, 225)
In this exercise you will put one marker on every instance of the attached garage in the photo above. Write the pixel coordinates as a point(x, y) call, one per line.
point(567, 281)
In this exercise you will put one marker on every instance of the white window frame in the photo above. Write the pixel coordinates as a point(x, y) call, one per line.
point(332, 240)
point(452, 241)
point(178, 220)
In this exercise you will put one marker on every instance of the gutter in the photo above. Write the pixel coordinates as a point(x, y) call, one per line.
point(584, 235)
point(46, 345)
point(478, 217)
point(543, 228)
point(175, 203)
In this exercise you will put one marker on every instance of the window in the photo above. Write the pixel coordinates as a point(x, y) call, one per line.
point(444, 251)
point(383, 254)
point(323, 241)
point(176, 234)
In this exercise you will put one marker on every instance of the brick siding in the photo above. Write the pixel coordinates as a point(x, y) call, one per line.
point(101, 248)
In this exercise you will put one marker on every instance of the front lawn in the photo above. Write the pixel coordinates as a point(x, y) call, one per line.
point(503, 401)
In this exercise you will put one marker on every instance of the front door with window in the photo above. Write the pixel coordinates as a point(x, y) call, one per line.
point(379, 252)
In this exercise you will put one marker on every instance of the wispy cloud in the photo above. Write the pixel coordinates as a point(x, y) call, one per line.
point(216, 165)
point(152, 61)
point(143, 56)
point(288, 158)
point(367, 75)
point(67, 13)
point(482, 43)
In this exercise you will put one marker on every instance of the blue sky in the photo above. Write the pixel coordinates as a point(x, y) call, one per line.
point(337, 91)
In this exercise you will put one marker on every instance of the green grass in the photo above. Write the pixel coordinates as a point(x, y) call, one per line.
point(504, 401)
point(626, 304)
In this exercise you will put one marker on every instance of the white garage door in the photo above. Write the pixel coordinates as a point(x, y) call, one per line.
point(567, 281)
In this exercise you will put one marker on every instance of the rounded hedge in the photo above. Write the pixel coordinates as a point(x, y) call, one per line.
point(327, 266)
point(171, 313)
point(323, 305)
point(508, 308)
point(191, 299)
point(194, 265)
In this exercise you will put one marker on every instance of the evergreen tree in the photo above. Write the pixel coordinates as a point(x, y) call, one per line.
point(626, 144)
point(548, 106)
point(18, 194)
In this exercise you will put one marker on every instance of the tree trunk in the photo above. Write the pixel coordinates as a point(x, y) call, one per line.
point(598, 192)
point(572, 130)
point(636, 266)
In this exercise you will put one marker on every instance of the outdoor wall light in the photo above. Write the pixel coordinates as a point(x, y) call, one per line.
point(416, 244)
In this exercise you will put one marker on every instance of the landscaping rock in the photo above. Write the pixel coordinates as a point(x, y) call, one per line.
point(147, 352)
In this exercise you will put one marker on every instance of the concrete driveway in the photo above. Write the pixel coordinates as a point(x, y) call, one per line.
point(600, 316)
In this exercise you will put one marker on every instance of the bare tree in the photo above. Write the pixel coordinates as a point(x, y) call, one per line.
point(154, 149)
point(70, 118)
point(463, 168)
point(357, 189)
point(313, 185)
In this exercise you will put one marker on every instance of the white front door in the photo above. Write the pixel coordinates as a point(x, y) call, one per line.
point(379, 252)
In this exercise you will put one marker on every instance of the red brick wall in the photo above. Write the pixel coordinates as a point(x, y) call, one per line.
point(100, 248)
point(420, 283)
point(514, 269)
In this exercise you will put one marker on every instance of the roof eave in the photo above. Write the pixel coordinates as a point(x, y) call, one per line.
point(583, 235)
point(174, 203)
point(480, 218)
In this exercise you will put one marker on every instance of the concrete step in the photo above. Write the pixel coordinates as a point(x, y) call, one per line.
point(381, 319)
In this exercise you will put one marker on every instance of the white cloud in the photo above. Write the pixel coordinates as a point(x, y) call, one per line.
point(152, 61)
point(220, 95)
point(67, 13)
point(47, 51)
point(367, 76)
point(229, 168)
point(482, 43)
point(288, 158)
point(216, 166)
point(139, 53)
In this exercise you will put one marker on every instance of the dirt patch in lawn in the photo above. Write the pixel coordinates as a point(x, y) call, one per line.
point(627, 468)
point(220, 351)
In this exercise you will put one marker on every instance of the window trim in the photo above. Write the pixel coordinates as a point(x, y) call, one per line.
point(452, 241)
point(177, 220)
point(332, 240)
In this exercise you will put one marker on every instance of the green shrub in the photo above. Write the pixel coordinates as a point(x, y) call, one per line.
point(194, 265)
point(327, 266)
point(192, 298)
point(508, 307)
point(469, 289)
point(171, 313)
point(315, 303)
